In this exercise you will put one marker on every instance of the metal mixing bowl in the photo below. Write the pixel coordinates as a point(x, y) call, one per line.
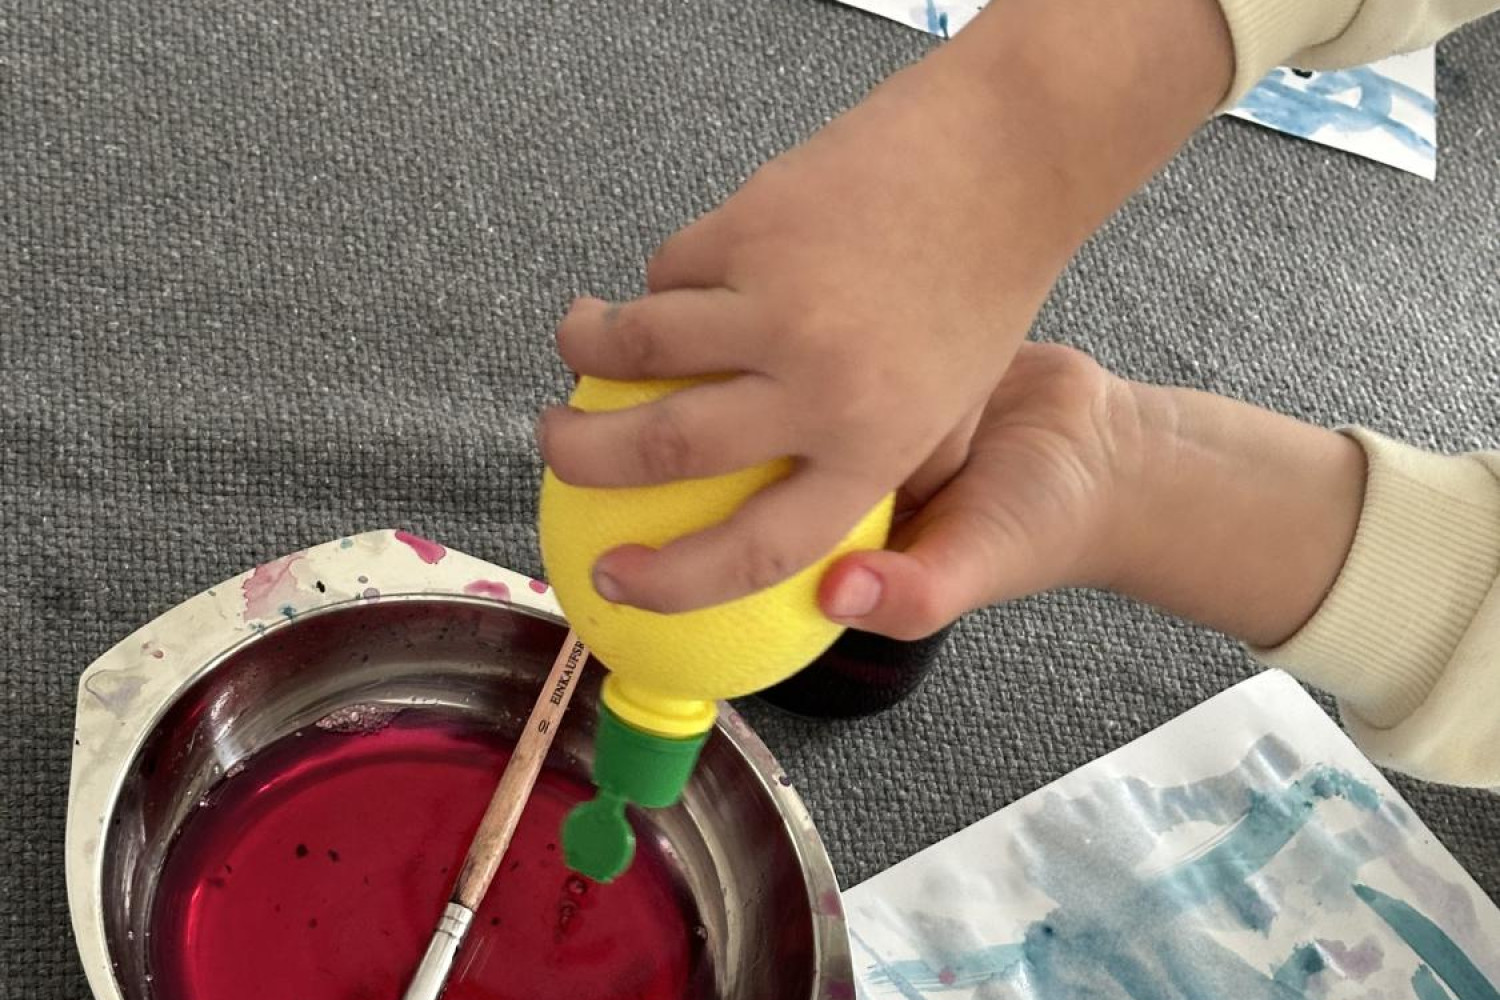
point(741, 841)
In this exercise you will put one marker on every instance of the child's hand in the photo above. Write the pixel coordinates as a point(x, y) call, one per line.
point(1037, 505)
point(867, 290)
point(1212, 509)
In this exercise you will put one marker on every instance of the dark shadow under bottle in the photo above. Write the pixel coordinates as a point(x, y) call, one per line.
point(860, 674)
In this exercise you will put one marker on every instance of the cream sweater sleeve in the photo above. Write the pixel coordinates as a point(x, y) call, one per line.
point(1331, 34)
point(1409, 637)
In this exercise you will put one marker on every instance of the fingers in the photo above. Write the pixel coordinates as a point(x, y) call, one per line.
point(668, 335)
point(955, 560)
point(702, 430)
point(781, 530)
point(941, 466)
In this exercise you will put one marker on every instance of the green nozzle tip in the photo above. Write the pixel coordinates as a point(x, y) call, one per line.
point(597, 839)
point(630, 766)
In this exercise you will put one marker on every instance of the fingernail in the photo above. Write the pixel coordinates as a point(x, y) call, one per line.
point(608, 587)
point(856, 595)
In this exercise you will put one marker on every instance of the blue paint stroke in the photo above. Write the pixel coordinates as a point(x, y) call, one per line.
point(1224, 873)
point(1115, 934)
point(888, 972)
point(937, 20)
point(1431, 944)
point(966, 971)
point(1117, 937)
point(1307, 109)
point(1426, 985)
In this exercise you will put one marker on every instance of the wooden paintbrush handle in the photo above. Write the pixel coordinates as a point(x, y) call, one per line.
point(504, 812)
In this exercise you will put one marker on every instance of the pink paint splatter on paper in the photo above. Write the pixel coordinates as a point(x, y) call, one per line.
point(429, 552)
point(496, 589)
point(539, 586)
point(271, 587)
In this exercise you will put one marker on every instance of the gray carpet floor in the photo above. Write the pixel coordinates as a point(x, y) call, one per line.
point(271, 273)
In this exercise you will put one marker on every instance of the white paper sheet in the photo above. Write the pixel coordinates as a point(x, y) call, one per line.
point(1386, 111)
point(1245, 851)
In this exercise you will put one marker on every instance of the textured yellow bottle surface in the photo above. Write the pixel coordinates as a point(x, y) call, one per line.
point(666, 671)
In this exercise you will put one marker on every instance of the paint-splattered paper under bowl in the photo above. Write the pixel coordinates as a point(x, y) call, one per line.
point(368, 628)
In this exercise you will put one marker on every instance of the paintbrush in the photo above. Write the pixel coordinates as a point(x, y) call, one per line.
point(499, 823)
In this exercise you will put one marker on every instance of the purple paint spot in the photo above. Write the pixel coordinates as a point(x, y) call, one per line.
point(947, 976)
point(1357, 963)
point(158, 653)
point(539, 586)
point(363, 578)
point(370, 593)
point(149, 648)
point(429, 552)
point(841, 990)
point(488, 588)
point(269, 587)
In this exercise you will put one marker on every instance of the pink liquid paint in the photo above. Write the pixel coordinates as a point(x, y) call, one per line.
point(319, 871)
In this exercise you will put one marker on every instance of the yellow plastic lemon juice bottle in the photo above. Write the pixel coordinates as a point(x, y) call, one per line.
point(668, 672)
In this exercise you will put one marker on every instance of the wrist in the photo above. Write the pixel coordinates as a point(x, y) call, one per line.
point(1233, 516)
point(1088, 99)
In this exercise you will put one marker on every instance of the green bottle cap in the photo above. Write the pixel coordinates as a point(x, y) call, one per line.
point(630, 766)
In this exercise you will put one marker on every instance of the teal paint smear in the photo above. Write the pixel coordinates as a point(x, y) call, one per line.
point(966, 971)
point(1267, 826)
point(937, 21)
point(1431, 944)
point(1113, 935)
point(1426, 985)
point(1128, 941)
point(886, 972)
point(1304, 963)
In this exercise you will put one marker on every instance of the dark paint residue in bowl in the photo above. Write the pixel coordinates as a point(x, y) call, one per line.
point(319, 870)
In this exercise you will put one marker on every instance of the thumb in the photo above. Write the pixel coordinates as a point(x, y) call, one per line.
point(953, 561)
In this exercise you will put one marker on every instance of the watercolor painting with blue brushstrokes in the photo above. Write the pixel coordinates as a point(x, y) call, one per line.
point(1386, 111)
point(1244, 851)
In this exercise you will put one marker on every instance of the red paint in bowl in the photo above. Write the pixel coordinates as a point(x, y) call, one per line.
point(319, 870)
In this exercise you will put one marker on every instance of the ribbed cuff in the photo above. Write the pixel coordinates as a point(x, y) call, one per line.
point(1425, 555)
point(1266, 33)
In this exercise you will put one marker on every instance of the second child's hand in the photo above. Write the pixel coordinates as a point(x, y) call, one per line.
point(1214, 510)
